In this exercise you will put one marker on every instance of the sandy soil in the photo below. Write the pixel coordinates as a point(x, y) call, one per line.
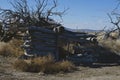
point(101, 72)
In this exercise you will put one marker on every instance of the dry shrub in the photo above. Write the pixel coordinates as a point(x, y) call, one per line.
point(116, 46)
point(45, 64)
point(114, 34)
point(66, 66)
point(113, 45)
point(5, 49)
point(21, 65)
point(44, 60)
point(11, 49)
point(16, 47)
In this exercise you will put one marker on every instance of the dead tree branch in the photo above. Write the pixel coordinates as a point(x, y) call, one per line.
point(22, 15)
point(116, 23)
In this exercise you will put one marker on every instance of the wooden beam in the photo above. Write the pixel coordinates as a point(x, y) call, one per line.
point(40, 29)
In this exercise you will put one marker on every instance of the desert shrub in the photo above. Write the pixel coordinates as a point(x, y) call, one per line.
point(66, 66)
point(5, 49)
point(112, 45)
point(11, 49)
point(15, 45)
point(41, 63)
point(44, 64)
point(21, 65)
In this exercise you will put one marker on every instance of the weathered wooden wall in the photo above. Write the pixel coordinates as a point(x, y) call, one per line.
point(42, 41)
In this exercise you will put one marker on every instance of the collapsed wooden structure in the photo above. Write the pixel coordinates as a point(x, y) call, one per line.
point(59, 42)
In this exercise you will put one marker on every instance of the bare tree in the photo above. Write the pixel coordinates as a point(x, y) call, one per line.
point(114, 17)
point(22, 15)
point(40, 13)
point(116, 23)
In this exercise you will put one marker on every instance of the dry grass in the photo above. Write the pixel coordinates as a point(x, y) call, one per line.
point(5, 49)
point(44, 64)
point(66, 66)
point(11, 49)
point(112, 45)
point(20, 65)
point(16, 47)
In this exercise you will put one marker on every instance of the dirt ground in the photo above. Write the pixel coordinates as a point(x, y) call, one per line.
point(101, 72)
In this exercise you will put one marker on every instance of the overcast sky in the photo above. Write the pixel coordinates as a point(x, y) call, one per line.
point(82, 14)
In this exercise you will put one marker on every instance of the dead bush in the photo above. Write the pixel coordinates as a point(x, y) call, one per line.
point(5, 49)
point(66, 66)
point(112, 45)
point(11, 49)
point(21, 65)
point(44, 64)
point(15, 45)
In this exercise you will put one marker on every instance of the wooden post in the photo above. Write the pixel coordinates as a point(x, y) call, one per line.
point(57, 48)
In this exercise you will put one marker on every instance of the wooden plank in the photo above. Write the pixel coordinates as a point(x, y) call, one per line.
point(78, 35)
point(78, 40)
point(71, 32)
point(42, 53)
point(42, 34)
point(40, 29)
point(85, 35)
point(83, 48)
point(44, 44)
point(44, 41)
point(73, 39)
point(42, 47)
point(42, 38)
point(38, 46)
point(43, 50)
point(68, 37)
